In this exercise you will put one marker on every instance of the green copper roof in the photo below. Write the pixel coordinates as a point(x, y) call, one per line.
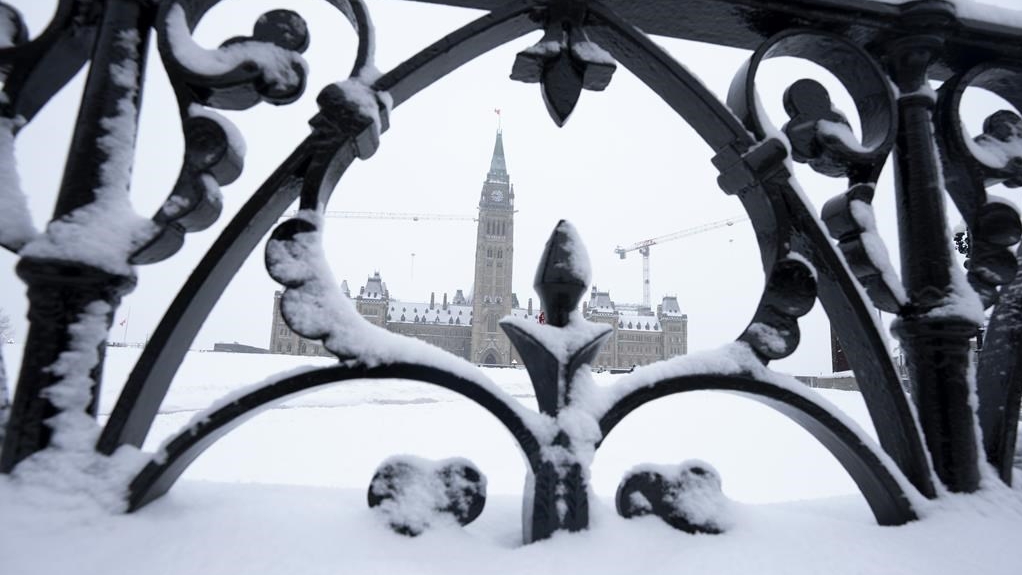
point(498, 167)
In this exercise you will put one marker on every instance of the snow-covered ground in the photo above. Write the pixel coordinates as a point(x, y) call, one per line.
point(286, 493)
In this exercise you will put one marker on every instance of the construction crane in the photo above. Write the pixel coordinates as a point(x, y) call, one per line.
point(644, 246)
point(392, 216)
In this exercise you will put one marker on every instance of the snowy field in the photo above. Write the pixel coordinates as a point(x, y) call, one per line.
point(285, 493)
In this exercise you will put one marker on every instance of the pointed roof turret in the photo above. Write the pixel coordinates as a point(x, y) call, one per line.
point(498, 166)
point(497, 192)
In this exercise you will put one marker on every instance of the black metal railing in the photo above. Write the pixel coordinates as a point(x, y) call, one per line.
point(885, 55)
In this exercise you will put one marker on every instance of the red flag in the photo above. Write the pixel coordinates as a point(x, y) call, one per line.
point(122, 321)
point(496, 111)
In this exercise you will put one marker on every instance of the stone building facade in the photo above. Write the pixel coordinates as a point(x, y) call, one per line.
point(470, 329)
point(640, 336)
point(283, 340)
point(494, 261)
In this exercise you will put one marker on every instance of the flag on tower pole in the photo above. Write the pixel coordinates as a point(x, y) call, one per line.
point(497, 112)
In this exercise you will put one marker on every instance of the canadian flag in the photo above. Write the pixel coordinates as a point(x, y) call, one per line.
point(496, 111)
point(123, 321)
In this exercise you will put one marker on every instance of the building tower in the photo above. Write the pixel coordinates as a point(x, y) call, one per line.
point(491, 297)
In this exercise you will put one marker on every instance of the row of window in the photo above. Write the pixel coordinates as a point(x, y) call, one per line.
point(656, 326)
point(416, 310)
point(303, 348)
point(436, 320)
point(638, 349)
point(496, 227)
point(639, 337)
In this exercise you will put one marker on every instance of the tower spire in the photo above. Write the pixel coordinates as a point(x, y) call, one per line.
point(498, 166)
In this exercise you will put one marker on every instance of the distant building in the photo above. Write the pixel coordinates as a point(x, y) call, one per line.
point(469, 327)
point(238, 348)
point(640, 336)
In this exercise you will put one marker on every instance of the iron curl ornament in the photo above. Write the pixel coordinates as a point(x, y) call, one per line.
point(937, 431)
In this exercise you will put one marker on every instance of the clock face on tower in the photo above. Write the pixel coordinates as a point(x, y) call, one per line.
point(496, 195)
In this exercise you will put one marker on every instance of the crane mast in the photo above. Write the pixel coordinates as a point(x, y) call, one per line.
point(644, 245)
point(645, 275)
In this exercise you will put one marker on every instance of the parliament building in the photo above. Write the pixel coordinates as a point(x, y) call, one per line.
point(469, 328)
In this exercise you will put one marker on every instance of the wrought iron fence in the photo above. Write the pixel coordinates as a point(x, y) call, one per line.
point(954, 418)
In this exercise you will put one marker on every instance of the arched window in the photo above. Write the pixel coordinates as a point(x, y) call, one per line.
point(500, 254)
point(489, 252)
point(491, 323)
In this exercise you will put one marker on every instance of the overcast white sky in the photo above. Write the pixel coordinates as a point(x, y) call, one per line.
point(623, 169)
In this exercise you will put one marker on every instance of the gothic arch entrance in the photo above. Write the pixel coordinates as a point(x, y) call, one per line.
point(490, 358)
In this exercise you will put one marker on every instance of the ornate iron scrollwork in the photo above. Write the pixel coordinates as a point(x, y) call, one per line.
point(149, 380)
point(239, 74)
point(883, 55)
point(971, 164)
point(820, 137)
point(560, 441)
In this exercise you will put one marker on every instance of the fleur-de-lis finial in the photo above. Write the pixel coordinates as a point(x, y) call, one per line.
point(562, 275)
point(553, 353)
point(564, 61)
